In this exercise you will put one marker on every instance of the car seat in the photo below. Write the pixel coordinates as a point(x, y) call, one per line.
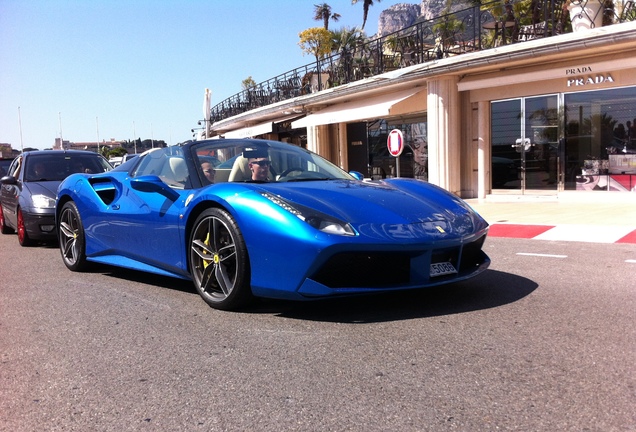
point(175, 170)
point(240, 170)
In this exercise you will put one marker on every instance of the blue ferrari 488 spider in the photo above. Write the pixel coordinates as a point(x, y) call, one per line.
point(256, 218)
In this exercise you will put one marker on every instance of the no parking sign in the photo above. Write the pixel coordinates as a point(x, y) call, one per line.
point(395, 142)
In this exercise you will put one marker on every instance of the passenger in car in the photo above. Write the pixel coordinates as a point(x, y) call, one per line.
point(208, 171)
point(39, 172)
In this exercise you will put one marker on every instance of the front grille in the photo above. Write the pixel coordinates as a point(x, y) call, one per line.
point(398, 269)
point(368, 270)
point(472, 256)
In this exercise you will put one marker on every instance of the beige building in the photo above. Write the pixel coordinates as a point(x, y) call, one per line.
point(89, 145)
point(543, 117)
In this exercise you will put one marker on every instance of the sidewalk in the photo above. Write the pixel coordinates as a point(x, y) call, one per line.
point(587, 218)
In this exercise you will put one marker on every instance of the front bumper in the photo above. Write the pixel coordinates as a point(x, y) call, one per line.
point(40, 226)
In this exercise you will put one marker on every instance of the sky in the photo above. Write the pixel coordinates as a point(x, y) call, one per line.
point(124, 69)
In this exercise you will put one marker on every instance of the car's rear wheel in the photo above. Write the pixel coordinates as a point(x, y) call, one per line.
point(23, 237)
point(219, 263)
point(4, 229)
point(72, 238)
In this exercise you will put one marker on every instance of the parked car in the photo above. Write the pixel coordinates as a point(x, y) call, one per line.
point(305, 229)
point(28, 191)
point(118, 160)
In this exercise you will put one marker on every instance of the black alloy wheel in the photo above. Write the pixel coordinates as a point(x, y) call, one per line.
point(219, 262)
point(72, 238)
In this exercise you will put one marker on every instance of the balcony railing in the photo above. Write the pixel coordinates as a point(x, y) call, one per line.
point(473, 29)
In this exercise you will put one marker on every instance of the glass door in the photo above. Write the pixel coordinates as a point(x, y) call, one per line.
point(525, 144)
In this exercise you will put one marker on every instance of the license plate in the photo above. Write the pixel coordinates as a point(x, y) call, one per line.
point(441, 269)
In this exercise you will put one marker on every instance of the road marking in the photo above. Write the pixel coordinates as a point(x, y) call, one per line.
point(631, 261)
point(541, 255)
point(586, 233)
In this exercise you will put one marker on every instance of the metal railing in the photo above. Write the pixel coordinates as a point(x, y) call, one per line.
point(476, 28)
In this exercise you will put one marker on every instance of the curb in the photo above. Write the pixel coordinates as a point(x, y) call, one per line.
point(581, 233)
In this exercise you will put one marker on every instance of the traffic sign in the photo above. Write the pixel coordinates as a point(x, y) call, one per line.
point(395, 142)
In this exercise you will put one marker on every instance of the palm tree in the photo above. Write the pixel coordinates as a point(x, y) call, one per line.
point(346, 39)
point(365, 10)
point(323, 12)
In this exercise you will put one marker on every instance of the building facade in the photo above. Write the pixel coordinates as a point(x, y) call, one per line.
point(547, 116)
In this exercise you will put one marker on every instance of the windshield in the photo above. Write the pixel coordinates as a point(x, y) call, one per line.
point(261, 161)
point(56, 167)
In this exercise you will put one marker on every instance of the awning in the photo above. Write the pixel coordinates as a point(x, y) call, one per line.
point(259, 129)
point(250, 131)
point(387, 105)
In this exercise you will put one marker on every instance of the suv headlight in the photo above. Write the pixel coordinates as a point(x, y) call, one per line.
point(43, 201)
point(316, 219)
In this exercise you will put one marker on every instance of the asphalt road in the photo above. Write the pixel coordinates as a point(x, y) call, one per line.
point(543, 341)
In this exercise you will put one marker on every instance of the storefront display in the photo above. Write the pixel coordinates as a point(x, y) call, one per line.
point(585, 142)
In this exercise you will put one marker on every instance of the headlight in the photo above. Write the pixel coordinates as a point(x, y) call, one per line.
point(42, 201)
point(318, 220)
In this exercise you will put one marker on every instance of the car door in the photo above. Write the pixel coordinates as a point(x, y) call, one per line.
point(10, 192)
point(144, 220)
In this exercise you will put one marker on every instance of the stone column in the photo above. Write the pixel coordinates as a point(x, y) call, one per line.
point(444, 126)
point(312, 141)
point(342, 146)
point(483, 148)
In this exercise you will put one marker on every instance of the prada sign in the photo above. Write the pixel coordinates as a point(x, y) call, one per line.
point(586, 77)
point(592, 74)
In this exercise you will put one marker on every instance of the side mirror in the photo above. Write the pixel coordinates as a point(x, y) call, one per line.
point(153, 184)
point(8, 180)
point(357, 175)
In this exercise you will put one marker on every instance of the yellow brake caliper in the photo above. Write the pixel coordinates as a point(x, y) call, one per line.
point(215, 257)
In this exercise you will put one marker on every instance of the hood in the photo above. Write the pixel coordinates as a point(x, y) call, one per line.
point(47, 188)
point(391, 204)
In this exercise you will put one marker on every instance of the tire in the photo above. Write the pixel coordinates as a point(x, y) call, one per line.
point(72, 238)
point(23, 237)
point(219, 263)
point(4, 229)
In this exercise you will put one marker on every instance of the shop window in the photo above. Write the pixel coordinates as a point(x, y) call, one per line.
point(414, 158)
point(600, 140)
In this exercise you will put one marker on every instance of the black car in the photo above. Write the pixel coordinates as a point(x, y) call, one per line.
point(28, 190)
point(5, 163)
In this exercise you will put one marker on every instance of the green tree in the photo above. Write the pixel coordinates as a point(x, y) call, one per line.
point(365, 10)
point(103, 150)
point(315, 41)
point(116, 152)
point(323, 12)
point(248, 83)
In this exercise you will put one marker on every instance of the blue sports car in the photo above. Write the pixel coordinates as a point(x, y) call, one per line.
point(255, 218)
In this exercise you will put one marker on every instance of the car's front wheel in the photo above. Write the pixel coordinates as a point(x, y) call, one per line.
point(219, 262)
point(23, 236)
point(72, 238)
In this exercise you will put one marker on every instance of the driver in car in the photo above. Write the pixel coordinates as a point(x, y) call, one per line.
point(259, 168)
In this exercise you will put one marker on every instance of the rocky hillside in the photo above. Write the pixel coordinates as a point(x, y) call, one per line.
point(405, 14)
